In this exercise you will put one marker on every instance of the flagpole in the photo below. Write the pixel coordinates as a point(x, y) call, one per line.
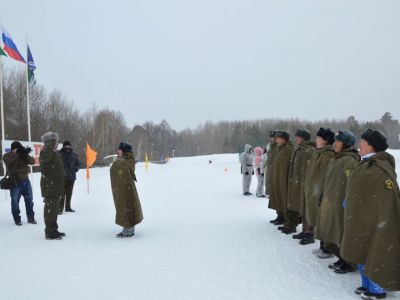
point(27, 93)
point(3, 135)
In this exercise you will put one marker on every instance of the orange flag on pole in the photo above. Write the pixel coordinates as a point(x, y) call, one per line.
point(91, 156)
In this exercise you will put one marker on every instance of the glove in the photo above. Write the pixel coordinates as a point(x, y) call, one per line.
point(252, 173)
point(134, 178)
point(246, 173)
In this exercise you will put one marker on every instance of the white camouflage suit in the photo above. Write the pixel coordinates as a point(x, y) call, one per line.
point(246, 161)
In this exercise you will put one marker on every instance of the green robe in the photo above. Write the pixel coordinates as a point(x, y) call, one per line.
point(271, 154)
point(372, 220)
point(126, 199)
point(314, 181)
point(330, 218)
point(280, 177)
point(296, 199)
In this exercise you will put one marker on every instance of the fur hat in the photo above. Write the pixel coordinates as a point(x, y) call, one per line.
point(346, 137)
point(16, 145)
point(272, 133)
point(376, 139)
point(67, 143)
point(304, 134)
point(283, 134)
point(49, 137)
point(125, 147)
point(326, 134)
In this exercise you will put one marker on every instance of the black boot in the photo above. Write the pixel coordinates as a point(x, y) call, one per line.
point(275, 220)
point(372, 296)
point(308, 239)
point(32, 221)
point(282, 228)
point(279, 221)
point(299, 236)
point(18, 222)
point(344, 268)
point(289, 230)
point(336, 264)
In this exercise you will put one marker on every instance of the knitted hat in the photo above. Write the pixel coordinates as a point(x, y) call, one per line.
point(67, 143)
point(376, 139)
point(304, 134)
point(326, 134)
point(346, 137)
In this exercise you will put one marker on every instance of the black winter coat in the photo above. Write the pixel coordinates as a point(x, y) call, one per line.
point(71, 163)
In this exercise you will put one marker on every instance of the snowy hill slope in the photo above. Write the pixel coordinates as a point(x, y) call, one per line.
point(200, 239)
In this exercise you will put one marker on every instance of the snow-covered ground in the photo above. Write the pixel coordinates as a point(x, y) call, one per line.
point(200, 239)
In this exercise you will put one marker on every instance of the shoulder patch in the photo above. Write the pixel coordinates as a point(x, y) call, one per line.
point(347, 172)
point(389, 184)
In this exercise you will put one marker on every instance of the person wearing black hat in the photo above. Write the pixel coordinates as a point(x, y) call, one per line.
point(371, 237)
point(17, 163)
point(296, 200)
point(126, 199)
point(71, 167)
point(314, 181)
point(329, 228)
point(280, 177)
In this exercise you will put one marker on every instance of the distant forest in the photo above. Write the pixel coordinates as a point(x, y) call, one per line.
point(104, 128)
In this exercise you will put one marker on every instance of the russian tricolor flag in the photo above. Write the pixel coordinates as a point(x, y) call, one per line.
point(10, 48)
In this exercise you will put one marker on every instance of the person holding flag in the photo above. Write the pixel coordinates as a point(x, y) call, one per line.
point(126, 199)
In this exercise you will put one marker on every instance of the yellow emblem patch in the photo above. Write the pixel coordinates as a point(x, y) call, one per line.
point(347, 172)
point(389, 184)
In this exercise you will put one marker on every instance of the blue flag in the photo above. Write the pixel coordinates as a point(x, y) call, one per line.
point(31, 68)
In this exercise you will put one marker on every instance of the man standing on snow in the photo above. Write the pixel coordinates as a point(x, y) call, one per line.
point(330, 220)
point(246, 161)
point(126, 199)
point(17, 162)
point(280, 178)
point(71, 166)
point(51, 183)
point(314, 181)
point(371, 235)
point(295, 201)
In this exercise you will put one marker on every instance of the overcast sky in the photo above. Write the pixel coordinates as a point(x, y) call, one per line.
point(192, 61)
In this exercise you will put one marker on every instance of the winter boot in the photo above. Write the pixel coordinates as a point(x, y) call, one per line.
point(18, 222)
point(289, 230)
point(336, 264)
point(308, 239)
point(324, 254)
point(280, 220)
point(32, 221)
point(281, 228)
point(344, 268)
point(371, 296)
point(124, 235)
point(360, 290)
point(299, 236)
point(275, 220)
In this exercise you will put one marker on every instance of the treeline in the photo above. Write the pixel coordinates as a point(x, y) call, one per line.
point(104, 128)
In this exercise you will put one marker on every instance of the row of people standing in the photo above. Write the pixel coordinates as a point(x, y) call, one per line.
point(347, 198)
